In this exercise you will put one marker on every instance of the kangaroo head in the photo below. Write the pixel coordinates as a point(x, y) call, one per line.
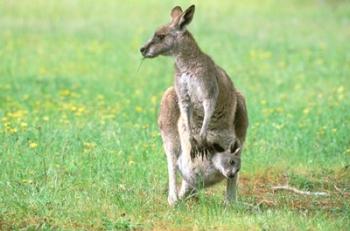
point(168, 37)
point(228, 162)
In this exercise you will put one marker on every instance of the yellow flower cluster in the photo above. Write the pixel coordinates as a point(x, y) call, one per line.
point(89, 146)
point(13, 121)
point(32, 145)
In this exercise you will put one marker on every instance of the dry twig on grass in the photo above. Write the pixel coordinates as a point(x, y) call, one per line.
point(297, 191)
point(265, 202)
point(341, 192)
point(338, 190)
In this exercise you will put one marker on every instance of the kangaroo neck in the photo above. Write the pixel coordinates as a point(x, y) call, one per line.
point(188, 54)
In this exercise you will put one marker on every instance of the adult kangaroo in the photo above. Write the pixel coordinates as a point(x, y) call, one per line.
point(204, 107)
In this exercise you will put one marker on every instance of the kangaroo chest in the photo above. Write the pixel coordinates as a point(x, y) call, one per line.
point(190, 88)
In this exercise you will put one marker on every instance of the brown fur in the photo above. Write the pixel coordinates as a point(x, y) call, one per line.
point(203, 107)
point(169, 114)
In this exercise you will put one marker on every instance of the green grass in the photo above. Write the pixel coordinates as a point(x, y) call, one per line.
point(79, 144)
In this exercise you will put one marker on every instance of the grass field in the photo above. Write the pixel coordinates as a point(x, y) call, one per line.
point(79, 144)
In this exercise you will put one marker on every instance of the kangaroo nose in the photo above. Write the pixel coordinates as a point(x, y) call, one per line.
point(142, 49)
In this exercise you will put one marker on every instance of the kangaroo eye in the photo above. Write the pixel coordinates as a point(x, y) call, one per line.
point(160, 36)
point(232, 162)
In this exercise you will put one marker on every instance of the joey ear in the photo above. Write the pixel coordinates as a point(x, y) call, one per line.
point(218, 148)
point(186, 17)
point(235, 147)
point(176, 12)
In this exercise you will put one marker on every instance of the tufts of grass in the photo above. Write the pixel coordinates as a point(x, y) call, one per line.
point(79, 144)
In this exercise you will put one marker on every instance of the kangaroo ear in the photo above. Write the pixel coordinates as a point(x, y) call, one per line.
point(218, 148)
point(175, 12)
point(235, 147)
point(186, 17)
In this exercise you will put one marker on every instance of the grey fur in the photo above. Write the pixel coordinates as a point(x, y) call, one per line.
point(203, 107)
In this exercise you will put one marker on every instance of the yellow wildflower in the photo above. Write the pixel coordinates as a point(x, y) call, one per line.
point(122, 186)
point(65, 92)
point(27, 181)
point(278, 126)
point(279, 110)
point(265, 55)
point(154, 100)
point(33, 145)
point(306, 111)
point(24, 125)
point(7, 125)
point(12, 130)
point(17, 114)
point(88, 146)
point(100, 97)
point(321, 131)
point(138, 109)
point(319, 62)
point(73, 108)
point(340, 89)
point(281, 64)
point(137, 92)
point(43, 71)
point(297, 87)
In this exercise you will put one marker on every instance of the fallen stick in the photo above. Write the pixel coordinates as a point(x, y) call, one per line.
point(339, 190)
point(266, 202)
point(297, 191)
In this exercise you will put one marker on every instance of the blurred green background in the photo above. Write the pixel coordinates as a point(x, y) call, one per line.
point(79, 143)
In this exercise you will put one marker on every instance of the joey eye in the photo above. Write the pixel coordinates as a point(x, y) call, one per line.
point(232, 162)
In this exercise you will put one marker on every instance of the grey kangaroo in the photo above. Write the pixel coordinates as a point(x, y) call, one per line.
point(205, 172)
point(204, 107)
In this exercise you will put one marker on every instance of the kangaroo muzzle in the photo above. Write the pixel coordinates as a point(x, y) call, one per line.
point(143, 51)
point(146, 50)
